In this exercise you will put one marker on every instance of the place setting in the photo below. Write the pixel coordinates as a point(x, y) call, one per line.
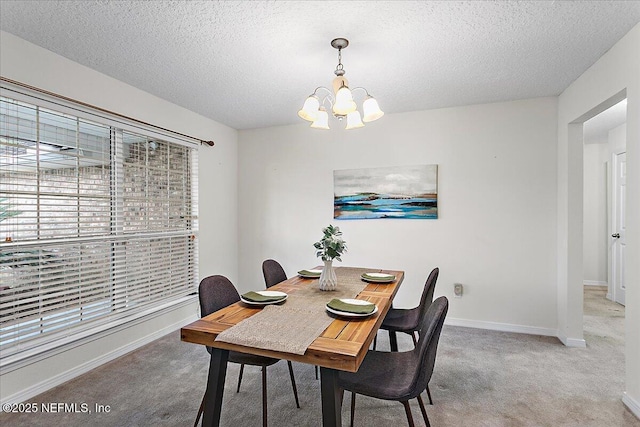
point(310, 274)
point(350, 307)
point(375, 277)
point(257, 298)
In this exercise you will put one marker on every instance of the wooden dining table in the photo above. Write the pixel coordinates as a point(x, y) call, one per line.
point(341, 347)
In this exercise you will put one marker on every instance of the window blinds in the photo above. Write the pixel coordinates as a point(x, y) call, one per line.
point(97, 224)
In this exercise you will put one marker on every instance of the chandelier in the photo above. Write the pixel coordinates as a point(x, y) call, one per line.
point(339, 100)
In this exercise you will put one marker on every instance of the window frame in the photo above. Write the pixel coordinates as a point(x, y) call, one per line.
point(119, 125)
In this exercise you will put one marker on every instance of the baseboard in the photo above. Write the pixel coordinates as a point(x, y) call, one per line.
point(594, 283)
point(572, 342)
point(519, 329)
point(43, 386)
point(630, 403)
point(503, 327)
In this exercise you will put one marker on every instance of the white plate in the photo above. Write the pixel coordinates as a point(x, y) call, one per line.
point(310, 276)
point(349, 314)
point(378, 277)
point(266, 294)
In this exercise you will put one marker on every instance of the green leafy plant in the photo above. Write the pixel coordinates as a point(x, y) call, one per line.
point(331, 246)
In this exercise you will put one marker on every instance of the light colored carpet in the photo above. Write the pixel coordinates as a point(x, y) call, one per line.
point(482, 378)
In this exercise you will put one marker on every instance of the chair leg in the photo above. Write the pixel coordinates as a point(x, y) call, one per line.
point(316, 371)
point(240, 377)
point(200, 411)
point(353, 406)
point(407, 409)
point(429, 394)
point(424, 411)
point(393, 340)
point(293, 383)
point(413, 337)
point(264, 396)
point(375, 342)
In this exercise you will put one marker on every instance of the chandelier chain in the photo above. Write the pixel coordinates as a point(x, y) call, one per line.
point(339, 68)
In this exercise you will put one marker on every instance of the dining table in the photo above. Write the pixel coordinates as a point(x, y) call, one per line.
point(341, 346)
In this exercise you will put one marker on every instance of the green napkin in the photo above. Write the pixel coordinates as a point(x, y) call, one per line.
point(256, 297)
point(308, 273)
point(340, 305)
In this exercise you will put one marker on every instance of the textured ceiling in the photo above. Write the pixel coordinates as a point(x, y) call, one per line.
point(251, 64)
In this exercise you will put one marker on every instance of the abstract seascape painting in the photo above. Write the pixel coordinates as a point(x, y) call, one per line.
point(387, 192)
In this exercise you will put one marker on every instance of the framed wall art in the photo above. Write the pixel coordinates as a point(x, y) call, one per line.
point(386, 192)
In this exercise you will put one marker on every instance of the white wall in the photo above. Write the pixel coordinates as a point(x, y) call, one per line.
point(617, 139)
point(618, 70)
point(595, 213)
point(30, 64)
point(497, 206)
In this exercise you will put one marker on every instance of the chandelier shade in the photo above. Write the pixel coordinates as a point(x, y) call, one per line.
point(340, 100)
point(354, 121)
point(322, 121)
point(310, 108)
point(344, 102)
point(371, 110)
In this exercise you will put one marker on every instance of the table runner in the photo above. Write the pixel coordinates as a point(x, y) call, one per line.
point(294, 325)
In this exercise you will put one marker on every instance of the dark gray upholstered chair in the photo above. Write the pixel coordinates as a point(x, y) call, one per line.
point(217, 292)
point(400, 376)
point(273, 274)
point(408, 320)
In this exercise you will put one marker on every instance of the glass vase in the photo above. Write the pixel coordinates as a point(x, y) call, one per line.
point(328, 279)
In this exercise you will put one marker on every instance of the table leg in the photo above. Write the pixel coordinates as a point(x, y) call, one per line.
point(215, 387)
point(331, 398)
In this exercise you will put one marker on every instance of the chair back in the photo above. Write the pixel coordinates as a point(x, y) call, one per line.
point(273, 273)
point(216, 292)
point(427, 293)
point(431, 326)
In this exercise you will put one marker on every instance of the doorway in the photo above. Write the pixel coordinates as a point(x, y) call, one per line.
point(604, 186)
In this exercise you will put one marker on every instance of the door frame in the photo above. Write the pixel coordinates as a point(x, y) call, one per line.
point(571, 220)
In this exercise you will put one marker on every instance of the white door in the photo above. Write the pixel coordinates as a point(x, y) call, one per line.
point(618, 239)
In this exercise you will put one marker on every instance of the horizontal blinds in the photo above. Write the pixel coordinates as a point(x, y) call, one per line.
point(73, 286)
point(97, 223)
point(55, 172)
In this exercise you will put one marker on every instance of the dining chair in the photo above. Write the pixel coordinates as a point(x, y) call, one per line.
point(407, 320)
point(273, 274)
point(400, 376)
point(215, 293)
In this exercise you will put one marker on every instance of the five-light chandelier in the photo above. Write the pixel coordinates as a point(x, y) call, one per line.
point(339, 100)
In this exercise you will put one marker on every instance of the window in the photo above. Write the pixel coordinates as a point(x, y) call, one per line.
point(97, 224)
